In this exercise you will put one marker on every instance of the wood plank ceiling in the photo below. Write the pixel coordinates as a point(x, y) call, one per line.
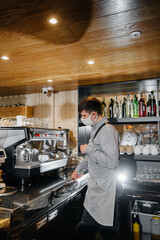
point(96, 30)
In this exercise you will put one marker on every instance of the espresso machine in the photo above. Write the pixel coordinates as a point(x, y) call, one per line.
point(33, 152)
point(35, 195)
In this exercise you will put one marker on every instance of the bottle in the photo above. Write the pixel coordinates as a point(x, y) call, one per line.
point(155, 227)
point(135, 107)
point(120, 109)
point(103, 106)
point(115, 108)
point(140, 106)
point(137, 227)
point(110, 109)
point(124, 108)
point(131, 108)
point(128, 107)
point(144, 108)
point(153, 105)
point(148, 105)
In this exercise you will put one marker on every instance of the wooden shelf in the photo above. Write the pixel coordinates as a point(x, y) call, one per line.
point(12, 112)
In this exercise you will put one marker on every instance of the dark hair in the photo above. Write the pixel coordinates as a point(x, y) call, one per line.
point(90, 104)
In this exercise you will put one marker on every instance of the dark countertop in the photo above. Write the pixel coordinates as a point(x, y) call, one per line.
point(142, 190)
point(40, 187)
point(28, 194)
point(37, 199)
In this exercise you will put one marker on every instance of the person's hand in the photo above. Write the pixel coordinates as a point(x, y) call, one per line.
point(75, 175)
point(83, 148)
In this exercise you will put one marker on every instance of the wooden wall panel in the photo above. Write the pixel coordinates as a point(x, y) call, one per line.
point(43, 106)
point(66, 114)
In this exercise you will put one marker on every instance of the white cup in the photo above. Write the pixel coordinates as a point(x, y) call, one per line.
point(154, 150)
point(146, 150)
point(20, 120)
point(137, 149)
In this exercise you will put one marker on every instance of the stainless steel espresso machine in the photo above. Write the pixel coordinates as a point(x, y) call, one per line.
point(33, 151)
point(34, 197)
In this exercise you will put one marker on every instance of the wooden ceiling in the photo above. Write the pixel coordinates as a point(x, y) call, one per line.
point(96, 30)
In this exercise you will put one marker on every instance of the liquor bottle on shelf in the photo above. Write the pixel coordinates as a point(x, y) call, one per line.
point(128, 107)
point(120, 109)
point(148, 105)
point(153, 105)
point(140, 106)
point(103, 106)
point(110, 109)
point(135, 107)
point(131, 108)
point(124, 108)
point(144, 108)
point(115, 108)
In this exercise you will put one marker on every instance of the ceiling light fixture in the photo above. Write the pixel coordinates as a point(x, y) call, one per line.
point(53, 20)
point(135, 34)
point(49, 80)
point(91, 62)
point(5, 58)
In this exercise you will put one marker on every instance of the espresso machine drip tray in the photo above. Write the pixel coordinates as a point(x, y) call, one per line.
point(7, 191)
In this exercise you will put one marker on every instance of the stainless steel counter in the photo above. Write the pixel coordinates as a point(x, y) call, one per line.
point(32, 203)
point(28, 194)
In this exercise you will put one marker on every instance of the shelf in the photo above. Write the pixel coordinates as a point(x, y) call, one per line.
point(126, 156)
point(151, 158)
point(130, 120)
point(134, 120)
point(147, 158)
point(12, 112)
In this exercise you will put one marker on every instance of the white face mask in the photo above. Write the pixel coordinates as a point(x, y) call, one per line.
point(88, 121)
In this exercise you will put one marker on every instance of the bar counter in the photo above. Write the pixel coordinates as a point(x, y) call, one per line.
point(45, 198)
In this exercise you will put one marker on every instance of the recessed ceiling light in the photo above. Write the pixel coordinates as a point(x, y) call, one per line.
point(5, 58)
point(135, 34)
point(49, 80)
point(91, 62)
point(53, 20)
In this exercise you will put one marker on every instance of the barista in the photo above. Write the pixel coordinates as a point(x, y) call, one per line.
point(101, 160)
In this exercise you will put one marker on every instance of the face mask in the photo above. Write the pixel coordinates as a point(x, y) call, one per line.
point(88, 121)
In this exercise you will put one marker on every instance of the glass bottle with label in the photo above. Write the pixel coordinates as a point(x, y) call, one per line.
point(128, 107)
point(140, 106)
point(148, 105)
point(131, 108)
point(153, 105)
point(124, 108)
point(110, 109)
point(144, 108)
point(135, 107)
point(115, 108)
point(103, 106)
point(120, 109)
